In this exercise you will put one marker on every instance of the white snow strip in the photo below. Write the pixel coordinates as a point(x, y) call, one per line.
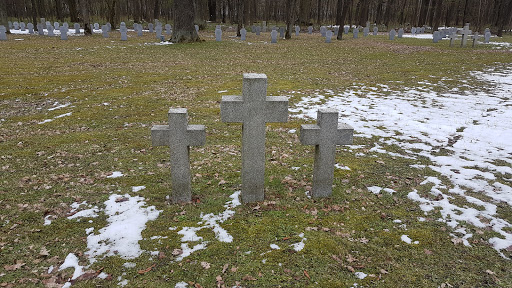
point(102, 275)
point(360, 275)
point(138, 188)
point(116, 174)
point(71, 261)
point(59, 106)
point(408, 240)
point(274, 246)
point(181, 285)
point(341, 166)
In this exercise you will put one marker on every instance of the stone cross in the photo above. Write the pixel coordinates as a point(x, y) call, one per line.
point(366, 31)
point(345, 29)
point(124, 33)
point(30, 27)
point(96, 26)
point(281, 32)
point(392, 34)
point(258, 30)
point(151, 27)
point(452, 39)
point(40, 29)
point(375, 31)
point(179, 136)
point(109, 27)
point(22, 26)
point(168, 29)
point(328, 36)
point(297, 30)
point(465, 33)
point(56, 25)
point(63, 33)
point(400, 32)
point(65, 24)
point(325, 135)
point(356, 32)
point(77, 28)
point(413, 30)
point(218, 34)
point(336, 30)
point(243, 34)
point(253, 109)
point(3, 36)
point(273, 36)
point(16, 25)
point(264, 26)
point(158, 30)
point(323, 30)
point(475, 39)
point(197, 28)
point(310, 29)
point(139, 31)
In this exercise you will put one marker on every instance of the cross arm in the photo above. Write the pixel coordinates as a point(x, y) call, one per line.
point(160, 135)
point(231, 109)
point(276, 109)
point(344, 134)
point(309, 134)
point(196, 135)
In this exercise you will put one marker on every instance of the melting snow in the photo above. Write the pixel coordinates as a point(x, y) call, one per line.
point(408, 240)
point(116, 174)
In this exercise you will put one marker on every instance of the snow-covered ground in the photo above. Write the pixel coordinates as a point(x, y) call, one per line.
point(474, 127)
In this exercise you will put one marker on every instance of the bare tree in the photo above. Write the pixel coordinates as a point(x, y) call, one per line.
point(184, 30)
point(84, 10)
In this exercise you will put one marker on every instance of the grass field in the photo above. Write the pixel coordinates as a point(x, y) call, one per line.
point(117, 90)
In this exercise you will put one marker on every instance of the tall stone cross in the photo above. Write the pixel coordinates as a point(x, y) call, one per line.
point(179, 136)
point(253, 109)
point(325, 135)
point(453, 36)
point(465, 34)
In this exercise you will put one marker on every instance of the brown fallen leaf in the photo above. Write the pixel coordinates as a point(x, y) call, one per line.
point(428, 252)
point(350, 268)
point(248, 277)
point(14, 267)
point(161, 255)
point(44, 252)
point(382, 271)
point(147, 269)
point(177, 252)
point(121, 199)
point(224, 268)
point(234, 269)
point(306, 274)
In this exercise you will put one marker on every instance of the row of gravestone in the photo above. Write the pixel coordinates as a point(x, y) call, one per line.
point(253, 109)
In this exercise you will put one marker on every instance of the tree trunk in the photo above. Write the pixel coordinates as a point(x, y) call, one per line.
point(290, 17)
point(437, 16)
point(3, 16)
point(340, 17)
point(387, 14)
point(73, 14)
point(84, 9)
point(240, 10)
point(33, 8)
point(184, 30)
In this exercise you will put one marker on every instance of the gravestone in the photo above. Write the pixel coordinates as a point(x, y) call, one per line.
point(243, 34)
point(465, 34)
point(124, 33)
point(3, 35)
point(375, 31)
point(63, 33)
point(104, 31)
point(346, 29)
point(179, 136)
point(264, 26)
point(323, 30)
point(436, 37)
point(158, 30)
point(328, 36)
point(325, 135)
point(168, 29)
point(218, 34)
point(356, 32)
point(22, 26)
point(475, 39)
point(77, 28)
point(413, 30)
point(30, 27)
point(16, 25)
point(273, 36)
point(336, 31)
point(96, 26)
point(297, 30)
point(310, 29)
point(40, 29)
point(56, 25)
point(48, 23)
point(392, 34)
point(281, 32)
point(9, 24)
point(258, 30)
point(109, 27)
point(487, 36)
point(253, 109)
point(253, 28)
point(50, 30)
point(366, 31)
point(197, 28)
point(139, 31)
point(452, 39)
point(65, 24)
point(400, 32)
point(122, 24)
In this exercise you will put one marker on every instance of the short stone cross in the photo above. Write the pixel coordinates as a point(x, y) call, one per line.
point(253, 109)
point(346, 29)
point(375, 31)
point(218, 34)
point(297, 30)
point(124, 33)
point(179, 136)
point(150, 27)
point(465, 34)
point(310, 29)
point(168, 29)
point(452, 39)
point(56, 25)
point(366, 31)
point(158, 30)
point(50, 30)
point(16, 25)
point(63, 33)
point(30, 27)
point(22, 26)
point(400, 32)
point(392, 34)
point(325, 135)
point(356, 32)
point(9, 24)
point(104, 31)
point(323, 30)
point(258, 30)
point(197, 28)
point(40, 29)
point(243, 34)
point(77, 28)
point(487, 36)
point(139, 30)
point(413, 30)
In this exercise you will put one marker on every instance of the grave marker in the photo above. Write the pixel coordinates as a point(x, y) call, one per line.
point(258, 30)
point(104, 31)
point(310, 29)
point(487, 36)
point(273, 36)
point(465, 34)
point(392, 34)
point(3, 35)
point(16, 25)
point(124, 33)
point(336, 31)
point(77, 28)
point(400, 32)
point(40, 29)
point(452, 38)
point(325, 135)
point(63, 33)
point(475, 39)
point(413, 30)
point(179, 136)
point(264, 26)
point(158, 30)
point(139, 31)
point(9, 24)
point(323, 30)
point(375, 31)
point(50, 30)
point(109, 27)
point(346, 29)
point(253, 109)
point(436, 37)
point(22, 26)
point(30, 27)
point(243, 34)
point(56, 25)
point(96, 26)
point(328, 36)
point(65, 24)
point(366, 31)
point(297, 30)
point(197, 28)
point(356, 32)
point(218, 34)
point(168, 29)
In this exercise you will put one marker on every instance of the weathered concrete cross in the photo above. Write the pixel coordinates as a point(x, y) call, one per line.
point(465, 34)
point(325, 136)
point(452, 39)
point(253, 109)
point(179, 136)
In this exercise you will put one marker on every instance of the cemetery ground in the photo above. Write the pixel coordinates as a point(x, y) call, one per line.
point(84, 195)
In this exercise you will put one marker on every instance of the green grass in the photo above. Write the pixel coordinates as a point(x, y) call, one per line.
point(45, 168)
